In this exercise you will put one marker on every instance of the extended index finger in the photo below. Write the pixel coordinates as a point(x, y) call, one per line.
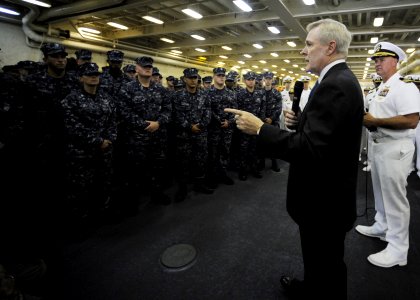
point(234, 111)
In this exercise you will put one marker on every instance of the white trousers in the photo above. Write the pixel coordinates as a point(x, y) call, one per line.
point(391, 162)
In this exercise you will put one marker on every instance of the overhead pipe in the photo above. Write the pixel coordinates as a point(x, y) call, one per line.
point(411, 66)
point(77, 8)
point(130, 51)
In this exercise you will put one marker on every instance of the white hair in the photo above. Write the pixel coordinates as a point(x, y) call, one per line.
point(329, 30)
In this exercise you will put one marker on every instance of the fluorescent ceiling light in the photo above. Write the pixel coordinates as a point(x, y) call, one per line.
point(286, 60)
point(291, 44)
point(258, 46)
point(371, 51)
point(378, 22)
point(418, 39)
point(241, 62)
point(242, 5)
point(296, 66)
point(263, 61)
point(202, 58)
point(282, 74)
point(220, 63)
point(290, 72)
point(273, 29)
point(274, 66)
point(368, 59)
point(247, 55)
point(409, 50)
point(303, 69)
point(274, 72)
point(167, 40)
point(367, 64)
point(236, 67)
point(265, 69)
point(9, 11)
point(226, 48)
point(274, 54)
point(116, 25)
point(90, 30)
point(255, 67)
point(366, 68)
point(373, 40)
point(176, 51)
point(198, 37)
point(200, 50)
point(192, 13)
point(309, 2)
point(39, 3)
point(223, 56)
point(152, 19)
point(283, 69)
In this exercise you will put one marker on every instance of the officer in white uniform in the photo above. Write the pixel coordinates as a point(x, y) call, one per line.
point(393, 115)
point(305, 93)
point(287, 102)
point(368, 99)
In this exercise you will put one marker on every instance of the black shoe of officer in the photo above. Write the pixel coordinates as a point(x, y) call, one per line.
point(275, 165)
point(243, 175)
point(201, 188)
point(160, 198)
point(181, 193)
point(226, 180)
point(257, 174)
point(293, 287)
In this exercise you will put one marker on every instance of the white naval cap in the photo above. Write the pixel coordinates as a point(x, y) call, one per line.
point(287, 79)
point(384, 49)
point(305, 79)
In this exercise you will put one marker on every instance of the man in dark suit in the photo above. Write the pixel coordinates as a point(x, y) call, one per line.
point(323, 155)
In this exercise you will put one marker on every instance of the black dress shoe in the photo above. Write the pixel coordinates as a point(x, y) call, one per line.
point(293, 287)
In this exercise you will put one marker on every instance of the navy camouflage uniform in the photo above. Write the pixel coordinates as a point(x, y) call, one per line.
point(113, 80)
point(191, 148)
point(89, 120)
point(219, 139)
point(253, 103)
point(142, 154)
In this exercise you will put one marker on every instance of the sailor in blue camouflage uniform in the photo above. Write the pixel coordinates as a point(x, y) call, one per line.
point(221, 129)
point(90, 130)
point(130, 71)
point(273, 101)
point(83, 56)
point(250, 100)
point(207, 80)
point(44, 130)
point(191, 116)
point(144, 111)
point(113, 79)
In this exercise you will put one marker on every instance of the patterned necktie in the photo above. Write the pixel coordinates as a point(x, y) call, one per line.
point(313, 89)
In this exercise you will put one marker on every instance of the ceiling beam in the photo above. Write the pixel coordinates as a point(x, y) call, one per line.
point(227, 19)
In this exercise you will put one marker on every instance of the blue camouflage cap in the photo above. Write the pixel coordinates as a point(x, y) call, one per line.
point(207, 79)
point(53, 48)
point(129, 68)
point(144, 61)
point(219, 70)
point(155, 71)
point(268, 75)
point(115, 55)
point(88, 69)
point(83, 54)
point(191, 72)
point(250, 76)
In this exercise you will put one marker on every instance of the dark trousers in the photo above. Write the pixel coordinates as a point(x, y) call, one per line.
point(323, 259)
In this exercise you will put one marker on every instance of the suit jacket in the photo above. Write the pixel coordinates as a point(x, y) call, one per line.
point(323, 152)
